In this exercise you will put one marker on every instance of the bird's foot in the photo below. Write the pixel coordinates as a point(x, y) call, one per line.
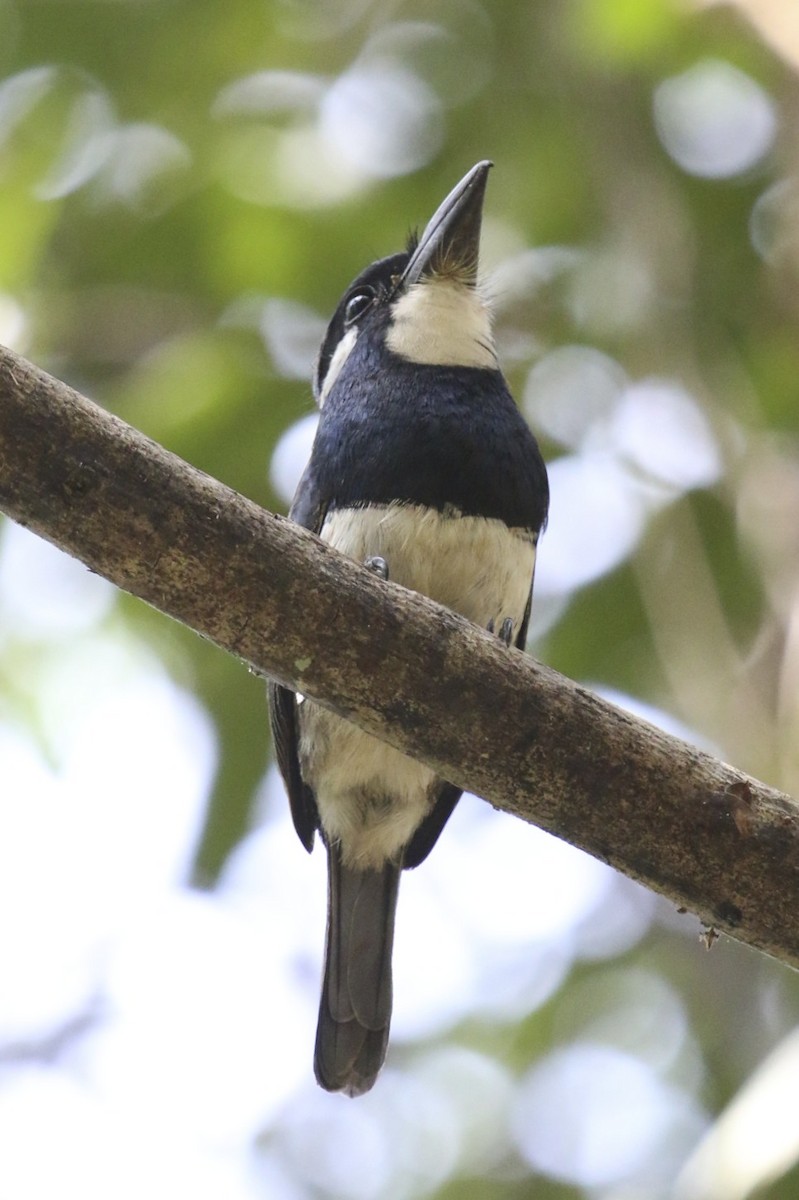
point(377, 564)
point(505, 634)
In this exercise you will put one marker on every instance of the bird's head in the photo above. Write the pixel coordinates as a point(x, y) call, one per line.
point(422, 305)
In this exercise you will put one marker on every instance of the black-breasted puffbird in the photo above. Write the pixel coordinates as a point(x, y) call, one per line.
point(424, 469)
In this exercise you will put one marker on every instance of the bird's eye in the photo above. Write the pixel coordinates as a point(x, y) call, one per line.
point(357, 305)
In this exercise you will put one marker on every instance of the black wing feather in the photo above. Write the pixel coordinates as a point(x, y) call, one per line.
point(309, 506)
point(283, 720)
point(521, 636)
point(426, 836)
point(308, 510)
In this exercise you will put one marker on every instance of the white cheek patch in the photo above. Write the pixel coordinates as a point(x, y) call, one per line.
point(341, 354)
point(442, 322)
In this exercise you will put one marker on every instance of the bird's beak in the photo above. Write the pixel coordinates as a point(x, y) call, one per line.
point(450, 245)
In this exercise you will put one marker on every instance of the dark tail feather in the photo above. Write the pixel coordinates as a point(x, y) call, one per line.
point(355, 1009)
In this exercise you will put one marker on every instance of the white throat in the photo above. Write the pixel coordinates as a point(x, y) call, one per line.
point(442, 322)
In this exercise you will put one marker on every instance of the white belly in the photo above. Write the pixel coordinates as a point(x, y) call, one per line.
point(370, 797)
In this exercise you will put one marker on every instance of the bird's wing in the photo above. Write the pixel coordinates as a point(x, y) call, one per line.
point(283, 721)
point(426, 836)
point(308, 510)
point(521, 636)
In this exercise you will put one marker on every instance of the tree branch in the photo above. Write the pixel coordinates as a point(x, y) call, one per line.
point(492, 720)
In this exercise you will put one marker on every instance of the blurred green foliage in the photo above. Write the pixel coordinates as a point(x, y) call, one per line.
point(157, 188)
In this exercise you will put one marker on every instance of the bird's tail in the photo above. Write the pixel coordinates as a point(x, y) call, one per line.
point(355, 1009)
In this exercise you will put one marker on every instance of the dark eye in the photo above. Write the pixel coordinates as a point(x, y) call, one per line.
point(357, 305)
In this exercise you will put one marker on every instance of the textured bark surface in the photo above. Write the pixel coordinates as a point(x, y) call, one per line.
point(492, 720)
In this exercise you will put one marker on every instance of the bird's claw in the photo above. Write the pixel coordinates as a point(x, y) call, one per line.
point(377, 564)
point(505, 634)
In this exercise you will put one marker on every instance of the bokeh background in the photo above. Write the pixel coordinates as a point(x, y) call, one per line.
point(186, 187)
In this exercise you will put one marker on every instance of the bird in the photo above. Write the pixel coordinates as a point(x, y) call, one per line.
point(423, 469)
